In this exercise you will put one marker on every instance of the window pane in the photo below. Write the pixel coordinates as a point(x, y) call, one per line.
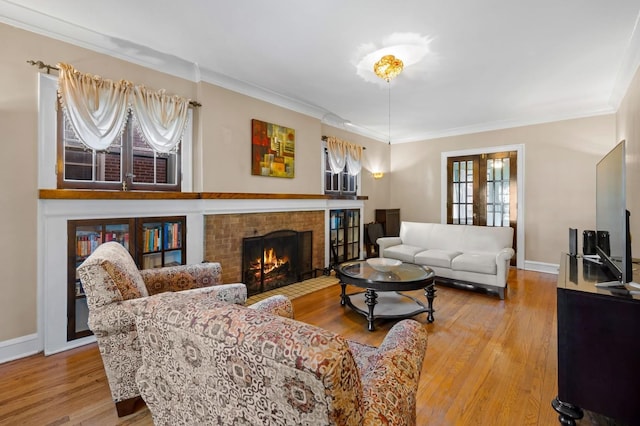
point(109, 165)
point(489, 214)
point(78, 164)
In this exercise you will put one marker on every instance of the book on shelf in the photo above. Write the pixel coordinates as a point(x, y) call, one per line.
point(173, 235)
point(87, 243)
point(152, 239)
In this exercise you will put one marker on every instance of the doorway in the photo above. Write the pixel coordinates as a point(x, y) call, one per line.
point(485, 187)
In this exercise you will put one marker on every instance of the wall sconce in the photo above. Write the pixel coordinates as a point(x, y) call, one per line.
point(378, 175)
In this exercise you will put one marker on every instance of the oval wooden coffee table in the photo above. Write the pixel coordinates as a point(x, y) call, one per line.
point(384, 289)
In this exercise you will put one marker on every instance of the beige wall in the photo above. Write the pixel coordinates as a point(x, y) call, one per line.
point(560, 161)
point(628, 128)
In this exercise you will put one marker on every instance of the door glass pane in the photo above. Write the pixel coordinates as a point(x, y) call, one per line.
point(456, 171)
point(469, 171)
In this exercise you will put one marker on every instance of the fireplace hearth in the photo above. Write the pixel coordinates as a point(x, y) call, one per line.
point(276, 259)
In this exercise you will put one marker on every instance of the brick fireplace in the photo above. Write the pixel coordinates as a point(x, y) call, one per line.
point(224, 234)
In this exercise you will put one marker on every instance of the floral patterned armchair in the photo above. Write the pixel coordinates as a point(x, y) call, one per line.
point(209, 363)
point(114, 287)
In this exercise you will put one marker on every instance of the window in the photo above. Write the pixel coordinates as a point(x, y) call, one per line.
point(129, 163)
point(338, 183)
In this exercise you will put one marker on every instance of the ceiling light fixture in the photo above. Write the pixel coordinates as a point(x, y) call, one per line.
point(387, 68)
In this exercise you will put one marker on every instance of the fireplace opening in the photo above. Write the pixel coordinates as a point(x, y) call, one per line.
point(276, 259)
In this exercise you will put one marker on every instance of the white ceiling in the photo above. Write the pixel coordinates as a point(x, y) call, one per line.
point(491, 64)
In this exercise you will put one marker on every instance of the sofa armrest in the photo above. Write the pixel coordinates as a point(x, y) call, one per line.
point(395, 367)
point(385, 242)
point(277, 305)
point(503, 259)
point(182, 277)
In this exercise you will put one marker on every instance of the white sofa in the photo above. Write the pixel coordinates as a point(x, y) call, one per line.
point(459, 254)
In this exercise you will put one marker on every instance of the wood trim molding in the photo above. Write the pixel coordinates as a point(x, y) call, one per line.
point(79, 194)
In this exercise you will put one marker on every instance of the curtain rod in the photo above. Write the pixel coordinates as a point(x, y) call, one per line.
point(324, 138)
point(41, 66)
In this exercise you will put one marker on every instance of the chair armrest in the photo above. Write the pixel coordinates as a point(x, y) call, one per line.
point(395, 368)
point(278, 305)
point(114, 318)
point(182, 277)
point(385, 242)
point(230, 293)
point(120, 316)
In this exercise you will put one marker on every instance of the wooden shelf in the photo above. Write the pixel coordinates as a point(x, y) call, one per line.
point(90, 194)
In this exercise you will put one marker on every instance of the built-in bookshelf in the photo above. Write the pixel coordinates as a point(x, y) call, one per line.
point(162, 242)
point(344, 234)
point(152, 242)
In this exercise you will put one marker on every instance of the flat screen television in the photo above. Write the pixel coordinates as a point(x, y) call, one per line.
point(613, 240)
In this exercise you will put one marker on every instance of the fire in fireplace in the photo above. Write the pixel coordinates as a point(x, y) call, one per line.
point(276, 259)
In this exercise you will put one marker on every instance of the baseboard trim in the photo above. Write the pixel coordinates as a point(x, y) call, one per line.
point(548, 268)
point(19, 347)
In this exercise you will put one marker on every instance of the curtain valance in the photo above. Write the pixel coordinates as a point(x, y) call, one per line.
point(343, 153)
point(97, 110)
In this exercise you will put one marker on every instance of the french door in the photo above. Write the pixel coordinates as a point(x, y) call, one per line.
point(482, 190)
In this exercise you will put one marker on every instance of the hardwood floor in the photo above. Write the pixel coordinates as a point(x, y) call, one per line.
point(488, 362)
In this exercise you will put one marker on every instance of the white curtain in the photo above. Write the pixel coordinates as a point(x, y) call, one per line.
point(343, 153)
point(337, 151)
point(95, 108)
point(161, 119)
point(354, 159)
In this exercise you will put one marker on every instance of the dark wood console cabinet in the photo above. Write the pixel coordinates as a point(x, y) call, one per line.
point(390, 220)
point(598, 345)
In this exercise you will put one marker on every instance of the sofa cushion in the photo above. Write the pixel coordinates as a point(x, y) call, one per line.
point(435, 257)
point(403, 252)
point(475, 262)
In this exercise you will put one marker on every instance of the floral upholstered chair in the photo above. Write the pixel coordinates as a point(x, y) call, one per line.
point(114, 287)
point(209, 363)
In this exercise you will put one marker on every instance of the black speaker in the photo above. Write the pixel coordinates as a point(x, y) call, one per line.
point(602, 239)
point(573, 241)
point(588, 242)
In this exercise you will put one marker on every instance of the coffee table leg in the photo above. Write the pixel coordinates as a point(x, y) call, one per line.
point(430, 292)
point(343, 295)
point(370, 297)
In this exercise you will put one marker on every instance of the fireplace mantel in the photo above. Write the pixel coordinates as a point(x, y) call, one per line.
point(91, 194)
